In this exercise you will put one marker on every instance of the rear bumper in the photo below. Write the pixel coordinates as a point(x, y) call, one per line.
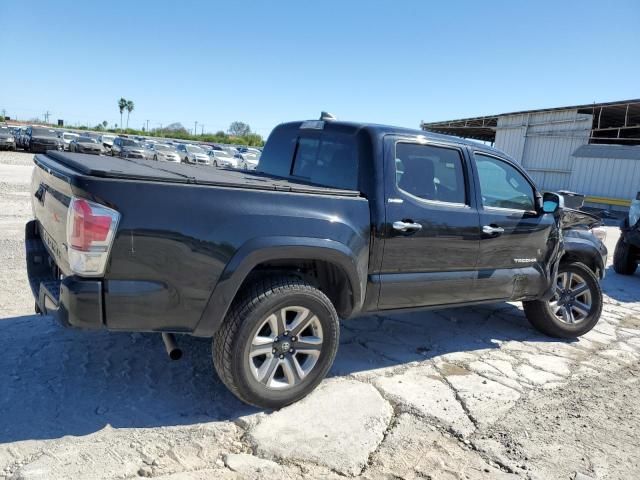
point(72, 301)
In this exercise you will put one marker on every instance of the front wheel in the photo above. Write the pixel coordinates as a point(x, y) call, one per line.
point(575, 306)
point(624, 262)
point(277, 342)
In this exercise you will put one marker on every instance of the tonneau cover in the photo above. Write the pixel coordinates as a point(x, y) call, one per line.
point(151, 170)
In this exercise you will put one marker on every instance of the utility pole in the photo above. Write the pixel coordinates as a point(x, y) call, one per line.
point(195, 129)
point(147, 125)
point(46, 116)
point(201, 129)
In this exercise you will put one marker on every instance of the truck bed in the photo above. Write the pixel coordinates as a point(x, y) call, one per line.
point(158, 171)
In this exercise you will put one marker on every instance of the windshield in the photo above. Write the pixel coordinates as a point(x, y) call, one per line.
point(43, 131)
point(69, 136)
point(128, 143)
point(164, 148)
point(87, 140)
point(108, 138)
point(194, 149)
point(221, 154)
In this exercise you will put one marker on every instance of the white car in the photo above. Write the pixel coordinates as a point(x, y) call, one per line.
point(249, 158)
point(193, 154)
point(66, 138)
point(164, 152)
point(106, 141)
point(222, 158)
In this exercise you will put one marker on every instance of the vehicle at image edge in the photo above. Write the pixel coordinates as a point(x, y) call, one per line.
point(222, 158)
point(340, 219)
point(66, 138)
point(106, 141)
point(192, 154)
point(40, 139)
point(7, 139)
point(164, 152)
point(84, 144)
point(124, 147)
point(627, 252)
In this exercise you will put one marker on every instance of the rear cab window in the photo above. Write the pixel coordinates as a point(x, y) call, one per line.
point(313, 155)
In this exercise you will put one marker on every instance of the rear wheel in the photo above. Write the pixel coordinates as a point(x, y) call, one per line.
point(624, 262)
point(155, 157)
point(575, 306)
point(277, 342)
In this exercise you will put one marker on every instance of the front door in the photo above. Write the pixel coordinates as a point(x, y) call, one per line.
point(518, 243)
point(432, 228)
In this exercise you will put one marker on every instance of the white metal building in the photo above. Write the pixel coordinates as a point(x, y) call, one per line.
point(589, 149)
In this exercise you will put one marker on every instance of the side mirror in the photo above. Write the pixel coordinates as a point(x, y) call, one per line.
point(552, 202)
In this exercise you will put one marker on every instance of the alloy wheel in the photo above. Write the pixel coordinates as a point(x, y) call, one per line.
point(572, 301)
point(285, 348)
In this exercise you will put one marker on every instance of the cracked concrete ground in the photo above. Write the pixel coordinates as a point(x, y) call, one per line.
point(470, 393)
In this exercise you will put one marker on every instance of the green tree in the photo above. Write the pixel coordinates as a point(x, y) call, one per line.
point(122, 105)
point(239, 129)
point(104, 124)
point(130, 106)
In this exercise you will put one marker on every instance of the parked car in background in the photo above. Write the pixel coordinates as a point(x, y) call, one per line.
point(20, 136)
point(193, 154)
point(41, 139)
point(85, 144)
point(248, 158)
point(7, 139)
point(127, 148)
point(167, 153)
point(106, 141)
point(626, 255)
point(66, 138)
point(222, 158)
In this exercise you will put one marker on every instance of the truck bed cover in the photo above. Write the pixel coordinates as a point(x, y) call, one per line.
point(158, 171)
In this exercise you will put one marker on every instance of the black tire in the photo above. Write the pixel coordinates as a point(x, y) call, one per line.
point(624, 262)
point(253, 305)
point(540, 315)
point(155, 157)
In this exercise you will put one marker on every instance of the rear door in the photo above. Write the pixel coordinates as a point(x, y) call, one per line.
point(517, 244)
point(432, 229)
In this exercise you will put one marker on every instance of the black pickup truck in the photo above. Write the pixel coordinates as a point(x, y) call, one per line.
point(339, 219)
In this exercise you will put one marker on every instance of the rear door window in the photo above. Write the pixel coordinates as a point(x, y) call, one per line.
point(430, 172)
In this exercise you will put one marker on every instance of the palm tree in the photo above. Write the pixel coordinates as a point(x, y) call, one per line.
point(122, 104)
point(130, 106)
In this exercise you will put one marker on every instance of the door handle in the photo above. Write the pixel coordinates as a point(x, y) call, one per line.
point(490, 230)
point(406, 226)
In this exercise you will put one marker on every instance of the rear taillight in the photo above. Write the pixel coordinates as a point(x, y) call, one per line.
point(91, 228)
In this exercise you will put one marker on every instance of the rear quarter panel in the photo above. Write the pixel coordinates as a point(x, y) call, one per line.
point(174, 242)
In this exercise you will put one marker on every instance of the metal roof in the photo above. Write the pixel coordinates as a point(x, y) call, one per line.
point(613, 122)
point(624, 152)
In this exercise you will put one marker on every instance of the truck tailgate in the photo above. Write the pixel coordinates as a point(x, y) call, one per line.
point(50, 197)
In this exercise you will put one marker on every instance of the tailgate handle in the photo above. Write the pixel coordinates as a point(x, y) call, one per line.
point(40, 193)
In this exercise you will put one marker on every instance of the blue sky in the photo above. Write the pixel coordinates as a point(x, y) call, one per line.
point(395, 62)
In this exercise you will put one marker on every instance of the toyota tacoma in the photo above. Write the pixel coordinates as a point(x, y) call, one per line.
point(338, 220)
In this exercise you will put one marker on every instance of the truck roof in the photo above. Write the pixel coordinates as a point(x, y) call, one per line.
point(377, 130)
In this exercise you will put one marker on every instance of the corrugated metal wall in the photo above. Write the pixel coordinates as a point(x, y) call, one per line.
point(606, 177)
point(543, 143)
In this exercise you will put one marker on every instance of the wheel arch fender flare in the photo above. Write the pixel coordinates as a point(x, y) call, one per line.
point(277, 248)
point(583, 251)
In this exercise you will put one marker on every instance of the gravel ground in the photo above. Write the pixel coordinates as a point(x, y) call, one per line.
point(470, 393)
